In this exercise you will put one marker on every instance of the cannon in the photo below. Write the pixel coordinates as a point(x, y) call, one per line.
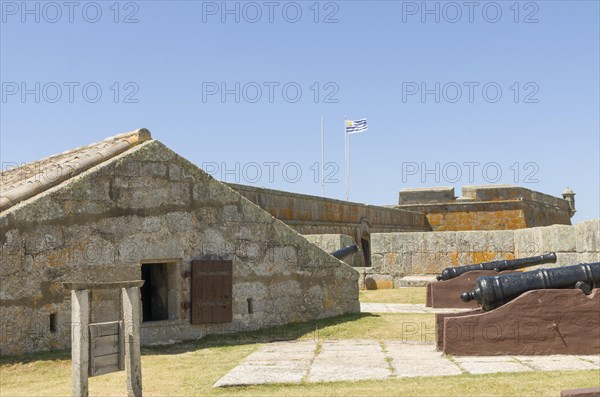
point(498, 266)
point(346, 251)
point(494, 291)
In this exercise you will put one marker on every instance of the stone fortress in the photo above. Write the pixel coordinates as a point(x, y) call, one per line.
point(129, 208)
point(430, 229)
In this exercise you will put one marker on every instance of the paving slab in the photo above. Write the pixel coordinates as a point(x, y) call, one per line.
point(335, 373)
point(278, 362)
point(411, 359)
point(557, 363)
point(367, 359)
point(489, 365)
point(593, 358)
point(243, 376)
point(339, 361)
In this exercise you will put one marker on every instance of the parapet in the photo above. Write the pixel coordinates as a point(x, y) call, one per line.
point(487, 207)
point(426, 195)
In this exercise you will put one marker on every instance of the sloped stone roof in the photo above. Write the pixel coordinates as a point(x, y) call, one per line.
point(31, 179)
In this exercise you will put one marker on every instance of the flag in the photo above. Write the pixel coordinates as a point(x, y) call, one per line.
point(356, 126)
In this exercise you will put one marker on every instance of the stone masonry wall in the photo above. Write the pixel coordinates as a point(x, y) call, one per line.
point(149, 205)
point(396, 255)
point(495, 207)
point(317, 215)
point(333, 242)
point(481, 218)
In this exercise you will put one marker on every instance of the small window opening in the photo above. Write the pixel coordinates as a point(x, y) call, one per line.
point(250, 305)
point(53, 327)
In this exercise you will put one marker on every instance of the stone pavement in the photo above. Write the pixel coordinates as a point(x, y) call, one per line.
point(366, 359)
point(411, 308)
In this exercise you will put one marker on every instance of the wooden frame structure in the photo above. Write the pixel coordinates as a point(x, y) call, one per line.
point(101, 348)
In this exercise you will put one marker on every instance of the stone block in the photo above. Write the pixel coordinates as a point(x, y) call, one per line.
point(151, 197)
point(588, 257)
point(15, 286)
point(564, 259)
point(231, 214)
point(558, 238)
point(153, 169)
point(376, 261)
point(155, 152)
point(175, 173)
point(588, 236)
point(41, 239)
point(179, 221)
point(378, 281)
point(152, 224)
point(486, 241)
point(254, 290)
point(432, 262)
point(45, 209)
point(441, 242)
point(528, 242)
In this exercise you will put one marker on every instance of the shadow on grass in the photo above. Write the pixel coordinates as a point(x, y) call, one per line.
point(308, 330)
point(51, 355)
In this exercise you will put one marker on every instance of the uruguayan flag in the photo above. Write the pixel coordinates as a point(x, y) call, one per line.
point(356, 126)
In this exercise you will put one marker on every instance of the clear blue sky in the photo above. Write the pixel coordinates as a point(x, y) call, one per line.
point(368, 61)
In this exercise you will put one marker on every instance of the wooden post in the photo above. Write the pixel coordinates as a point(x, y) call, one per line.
point(132, 321)
point(80, 347)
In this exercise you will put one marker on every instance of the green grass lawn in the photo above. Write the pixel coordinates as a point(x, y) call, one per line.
point(193, 372)
point(397, 295)
point(191, 368)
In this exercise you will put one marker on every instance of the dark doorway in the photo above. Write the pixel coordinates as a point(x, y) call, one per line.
point(155, 292)
point(366, 249)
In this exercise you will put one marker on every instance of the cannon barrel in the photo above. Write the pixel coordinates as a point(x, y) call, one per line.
point(346, 251)
point(499, 266)
point(494, 291)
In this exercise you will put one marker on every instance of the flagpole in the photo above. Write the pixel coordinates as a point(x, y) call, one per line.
point(347, 148)
point(348, 183)
point(322, 159)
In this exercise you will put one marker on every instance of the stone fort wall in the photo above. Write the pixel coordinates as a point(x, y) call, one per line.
point(396, 255)
point(318, 215)
point(495, 207)
point(313, 215)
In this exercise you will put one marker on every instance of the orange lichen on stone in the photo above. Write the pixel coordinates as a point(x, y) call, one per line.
point(384, 284)
point(454, 257)
point(488, 220)
point(474, 257)
point(390, 259)
point(54, 260)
